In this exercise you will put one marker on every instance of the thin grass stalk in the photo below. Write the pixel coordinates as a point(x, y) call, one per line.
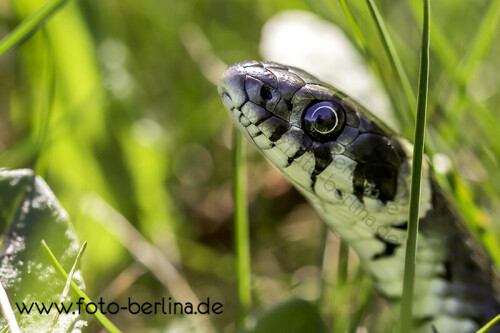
point(481, 41)
point(241, 231)
point(43, 133)
point(366, 293)
point(358, 35)
point(480, 45)
point(392, 55)
point(8, 312)
point(343, 263)
point(67, 286)
point(343, 292)
point(489, 325)
point(404, 117)
point(29, 25)
point(442, 49)
point(405, 324)
point(99, 317)
point(321, 261)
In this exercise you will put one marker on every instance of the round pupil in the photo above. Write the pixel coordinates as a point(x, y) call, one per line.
point(265, 93)
point(324, 119)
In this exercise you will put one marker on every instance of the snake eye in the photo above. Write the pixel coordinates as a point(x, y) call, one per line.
point(265, 93)
point(323, 120)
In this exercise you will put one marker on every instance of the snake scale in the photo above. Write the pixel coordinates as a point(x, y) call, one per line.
point(356, 173)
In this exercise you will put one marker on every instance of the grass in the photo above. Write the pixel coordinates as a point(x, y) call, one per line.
point(489, 325)
point(405, 318)
point(30, 25)
point(69, 279)
point(100, 318)
point(392, 55)
point(241, 231)
point(127, 105)
point(8, 312)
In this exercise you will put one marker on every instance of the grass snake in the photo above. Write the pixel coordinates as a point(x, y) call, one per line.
point(356, 173)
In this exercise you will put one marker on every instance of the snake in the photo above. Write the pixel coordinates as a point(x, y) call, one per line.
point(356, 172)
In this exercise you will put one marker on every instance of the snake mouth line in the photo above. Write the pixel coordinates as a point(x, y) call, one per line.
point(249, 121)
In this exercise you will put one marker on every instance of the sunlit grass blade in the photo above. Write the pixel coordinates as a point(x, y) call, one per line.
point(343, 263)
point(489, 325)
point(43, 133)
point(67, 285)
point(392, 55)
point(321, 261)
point(29, 25)
point(482, 40)
point(366, 293)
point(480, 44)
point(405, 319)
point(440, 43)
point(241, 230)
point(100, 318)
point(358, 35)
point(7, 311)
point(342, 291)
point(403, 117)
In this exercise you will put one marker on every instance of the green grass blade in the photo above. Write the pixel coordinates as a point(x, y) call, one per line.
point(482, 41)
point(67, 285)
point(405, 323)
point(442, 49)
point(44, 130)
point(241, 231)
point(392, 55)
point(489, 325)
point(343, 263)
point(366, 294)
point(358, 35)
point(405, 118)
point(101, 319)
point(29, 25)
point(480, 45)
point(321, 260)
point(8, 312)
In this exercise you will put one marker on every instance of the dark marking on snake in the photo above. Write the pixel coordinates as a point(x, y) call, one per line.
point(297, 154)
point(389, 248)
point(381, 181)
point(257, 134)
point(278, 132)
point(358, 181)
point(322, 159)
point(263, 119)
point(447, 274)
point(400, 226)
point(423, 321)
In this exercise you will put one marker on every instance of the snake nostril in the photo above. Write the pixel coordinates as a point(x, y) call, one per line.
point(232, 87)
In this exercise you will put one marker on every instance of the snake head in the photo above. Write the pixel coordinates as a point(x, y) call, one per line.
point(294, 118)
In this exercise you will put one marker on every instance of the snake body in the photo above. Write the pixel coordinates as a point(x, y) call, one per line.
point(356, 173)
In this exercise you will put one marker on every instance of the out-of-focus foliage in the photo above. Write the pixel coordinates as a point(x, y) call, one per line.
point(106, 102)
point(29, 214)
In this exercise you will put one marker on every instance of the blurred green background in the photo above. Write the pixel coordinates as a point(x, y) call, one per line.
point(112, 103)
